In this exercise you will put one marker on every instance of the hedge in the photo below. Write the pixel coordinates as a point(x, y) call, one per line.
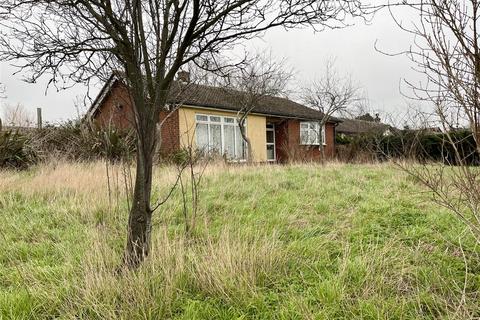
point(418, 145)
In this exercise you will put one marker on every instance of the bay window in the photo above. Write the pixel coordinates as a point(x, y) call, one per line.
point(220, 134)
point(309, 133)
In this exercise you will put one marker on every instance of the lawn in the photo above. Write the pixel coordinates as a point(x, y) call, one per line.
point(271, 242)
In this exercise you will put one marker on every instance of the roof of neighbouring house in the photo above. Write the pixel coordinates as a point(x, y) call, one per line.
point(226, 99)
point(353, 126)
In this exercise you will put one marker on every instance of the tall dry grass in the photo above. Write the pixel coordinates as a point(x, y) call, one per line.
point(276, 242)
point(227, 266)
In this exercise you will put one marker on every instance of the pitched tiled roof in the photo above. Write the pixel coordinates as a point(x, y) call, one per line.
point(225, 99)
point(349, 126)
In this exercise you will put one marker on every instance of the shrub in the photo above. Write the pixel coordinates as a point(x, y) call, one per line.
point(179, 157)
point(79, 142)
point(15, 151)
point(419, 145)
point(428, 146)
point(71, 141)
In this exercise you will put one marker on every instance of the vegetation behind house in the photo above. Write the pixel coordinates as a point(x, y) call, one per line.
point(417, 145)
point(70, 141)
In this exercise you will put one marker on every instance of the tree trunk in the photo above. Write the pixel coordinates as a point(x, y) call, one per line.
point(321, 147)
point(249, 150)
point(140, 217)
point(322, 152)
point(247, 141)
point(476, 136)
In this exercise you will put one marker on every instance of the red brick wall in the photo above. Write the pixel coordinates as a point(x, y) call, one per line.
point(116, 110)
point(287, 142)
point(170, 134)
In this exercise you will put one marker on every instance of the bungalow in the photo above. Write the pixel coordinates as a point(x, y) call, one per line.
point(206, 117)
point(356, 127)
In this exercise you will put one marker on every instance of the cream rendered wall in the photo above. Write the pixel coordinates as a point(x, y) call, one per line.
point(256, 129)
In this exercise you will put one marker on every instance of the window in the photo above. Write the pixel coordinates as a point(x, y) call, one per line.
point(309, 133)
point(271, 142)
point(221, 135)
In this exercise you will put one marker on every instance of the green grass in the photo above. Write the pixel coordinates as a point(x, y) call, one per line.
point(293, 242)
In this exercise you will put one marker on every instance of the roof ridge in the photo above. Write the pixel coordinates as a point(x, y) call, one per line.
point(364, 121)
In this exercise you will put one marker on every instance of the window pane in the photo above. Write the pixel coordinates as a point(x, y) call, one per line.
point(304, 137)
point(215, 118)
point(229, 140)
point(271, 152)
point(216, 138)
point(269, 126)
point(240, 148)
point(229, 120)
point(315, 137)
point(201, 133)
point(200, 117)
point(304, 125)
point(324, 139)
point(270, 137)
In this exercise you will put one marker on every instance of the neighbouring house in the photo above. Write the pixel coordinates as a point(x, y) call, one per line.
point(354, 127)
point(205, 117)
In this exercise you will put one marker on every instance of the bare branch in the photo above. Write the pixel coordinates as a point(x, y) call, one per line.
point(332, 94)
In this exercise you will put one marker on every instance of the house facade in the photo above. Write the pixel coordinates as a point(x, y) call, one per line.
point(205, 118)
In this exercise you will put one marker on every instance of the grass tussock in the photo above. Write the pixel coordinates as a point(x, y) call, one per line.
point(272, 242)
point(233, 268)
point(229, 269)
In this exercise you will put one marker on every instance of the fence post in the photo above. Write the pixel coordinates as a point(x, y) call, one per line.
point(39, 118)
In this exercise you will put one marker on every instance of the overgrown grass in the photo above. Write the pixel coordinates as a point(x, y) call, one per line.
point(272, 242)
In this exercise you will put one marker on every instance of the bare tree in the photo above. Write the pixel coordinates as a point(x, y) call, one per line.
point(2, 91)
point(332, 94)
point(445, 161)
point(194, 164)
point(446, 51)
point(2, 96)
point(17, 116)
point(250, 85)
point(80, 40)
point(358, 109)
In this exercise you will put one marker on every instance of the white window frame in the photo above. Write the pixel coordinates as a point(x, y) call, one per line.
point(272, 129)
point(312, 132)
point(223, 123)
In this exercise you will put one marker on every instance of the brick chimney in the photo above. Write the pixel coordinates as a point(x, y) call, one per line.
point(183, 76)
point(377, 117)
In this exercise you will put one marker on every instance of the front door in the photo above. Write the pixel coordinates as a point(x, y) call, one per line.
point(271, 154)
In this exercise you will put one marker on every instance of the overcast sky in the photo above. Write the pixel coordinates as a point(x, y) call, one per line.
point(305, 51)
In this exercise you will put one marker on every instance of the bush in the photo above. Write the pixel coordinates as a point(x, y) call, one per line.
point(427, 146)
point(71, 141)
point(77, 142)
point(412, 144)
point(15, 151)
